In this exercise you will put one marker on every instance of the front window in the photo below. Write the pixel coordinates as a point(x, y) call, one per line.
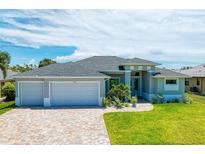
point(171, 85)
point(172, 82)
point(114, 81)
point(198, 82)
point(187, 82)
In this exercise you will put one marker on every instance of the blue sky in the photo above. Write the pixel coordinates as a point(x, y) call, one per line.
point(172, 37)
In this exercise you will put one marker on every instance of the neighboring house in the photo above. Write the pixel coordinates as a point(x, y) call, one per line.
point(197, 81)
point(87, 81)
point(8, 78)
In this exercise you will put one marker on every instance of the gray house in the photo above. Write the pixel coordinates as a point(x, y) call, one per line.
point(87, 81)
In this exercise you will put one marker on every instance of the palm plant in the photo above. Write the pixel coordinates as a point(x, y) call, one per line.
point(4, 62)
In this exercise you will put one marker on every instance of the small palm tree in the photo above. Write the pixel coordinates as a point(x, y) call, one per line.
point(4, 62)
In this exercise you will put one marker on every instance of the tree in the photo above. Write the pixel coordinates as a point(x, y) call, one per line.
point(46, 62)
point(185, 67)
point(8, 90)
point(4, 62)
point(22, 68)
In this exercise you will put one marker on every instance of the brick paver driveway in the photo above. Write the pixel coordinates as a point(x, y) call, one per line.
point(53, 126)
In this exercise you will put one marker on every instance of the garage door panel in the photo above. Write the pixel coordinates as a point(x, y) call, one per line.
point(65, 94)
point(31, 94)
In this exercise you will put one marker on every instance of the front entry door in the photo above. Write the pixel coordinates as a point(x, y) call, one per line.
point(135, 87)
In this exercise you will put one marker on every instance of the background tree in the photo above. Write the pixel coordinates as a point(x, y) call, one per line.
point(4, 62)
point(46, 62)
point(23, 68)
point(185, 67)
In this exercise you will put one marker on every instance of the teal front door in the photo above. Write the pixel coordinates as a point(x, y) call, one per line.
point(135, 86)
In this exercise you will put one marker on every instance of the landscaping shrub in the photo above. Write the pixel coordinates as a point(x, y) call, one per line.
point(187, 100)
point(125, 104)
point(120, 91)
point(133, 101)
point(117, 102)
point(8, 90)
point(154, 100)
point(106, 102)
point(175, 100)
point(160, 98)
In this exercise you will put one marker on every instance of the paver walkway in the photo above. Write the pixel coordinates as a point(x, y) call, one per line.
point(57, 126)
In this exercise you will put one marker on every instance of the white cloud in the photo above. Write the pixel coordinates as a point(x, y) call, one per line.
point(179, 35)
point(32, 61)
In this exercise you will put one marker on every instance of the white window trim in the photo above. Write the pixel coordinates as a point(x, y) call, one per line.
point(171, 87)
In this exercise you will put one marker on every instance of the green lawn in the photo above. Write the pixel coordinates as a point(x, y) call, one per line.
point(6, 106)
point(166, 124)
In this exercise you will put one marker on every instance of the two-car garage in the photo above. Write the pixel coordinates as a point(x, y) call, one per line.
point(77, 93)
point(59, 93)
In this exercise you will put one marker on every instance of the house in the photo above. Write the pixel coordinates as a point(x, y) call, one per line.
point(197, 81)
point(8, 79)
point(87, 81)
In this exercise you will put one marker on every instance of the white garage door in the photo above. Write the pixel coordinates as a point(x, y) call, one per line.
point(31, 94)
point(74, 94)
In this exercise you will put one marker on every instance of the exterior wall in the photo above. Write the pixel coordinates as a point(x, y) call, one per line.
point(46, 86)
point(158, 86)
point(193, 82)
point(203, 86)
point(146, 82)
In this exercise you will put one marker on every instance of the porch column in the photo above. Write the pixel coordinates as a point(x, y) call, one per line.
point(128, 78)
point(140, 89)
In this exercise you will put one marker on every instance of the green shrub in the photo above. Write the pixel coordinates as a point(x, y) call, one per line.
point(8, 90)
point(154, 100)
point(133, 101)
point(187, 100)
point(175, 100)
point(120, 91)
point(106, 102)
point(117, 102)
point(160, 98)
point(125, 104)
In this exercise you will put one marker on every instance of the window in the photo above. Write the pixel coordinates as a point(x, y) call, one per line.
point(187, 82)
point(132, 67)
point(114, 81)
point(198, 82)
point(121, 68)
point(171, 81)
point(135, 73)
point(171, 84)
point(136, 84)
point(148, 67)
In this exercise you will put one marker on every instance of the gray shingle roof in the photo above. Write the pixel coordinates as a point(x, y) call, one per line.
point(198, 71)
point(66, 69)
point(86, 67)
point(162, 72)
point(101, 63)
point(9, 75)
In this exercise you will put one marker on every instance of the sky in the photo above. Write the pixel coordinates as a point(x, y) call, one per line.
point(173, 38)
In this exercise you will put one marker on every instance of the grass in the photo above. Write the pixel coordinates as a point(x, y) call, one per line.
point(175, 123)
point(6, 106)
